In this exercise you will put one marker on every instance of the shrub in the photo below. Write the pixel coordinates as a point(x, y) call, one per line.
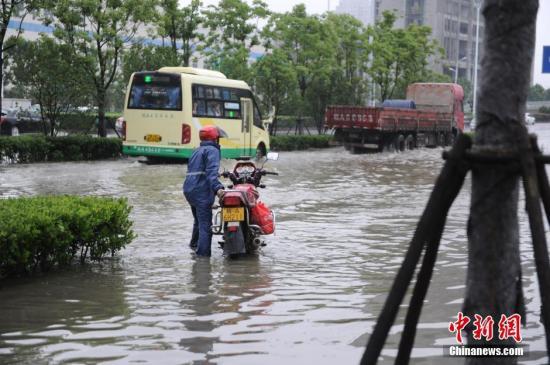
point(25, 149)
point(44, 232)
point(291, 143)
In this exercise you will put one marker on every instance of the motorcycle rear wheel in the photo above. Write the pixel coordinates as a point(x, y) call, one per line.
point(234, 242)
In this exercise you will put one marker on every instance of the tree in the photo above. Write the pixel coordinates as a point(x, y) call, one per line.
point(310, 47)
point(536, 93)
point(96, 31)
point(352, 55)
point(141, 57)
point(275, 80)
point(494, 266)
point(191, 19)
point(233, 31)
point(181, 24)
point(44, 71)
point(11, 8)
point(399, 56)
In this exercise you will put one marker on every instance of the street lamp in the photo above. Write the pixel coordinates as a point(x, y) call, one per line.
point(477, 4)
point(456, 68)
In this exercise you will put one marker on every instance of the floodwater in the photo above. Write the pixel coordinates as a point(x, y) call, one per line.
point(311, 296)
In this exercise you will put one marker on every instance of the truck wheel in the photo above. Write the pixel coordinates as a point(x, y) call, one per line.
point(441, 140)
point(389, 144)
point(410, 143)
point(451, 138)
point(400, 144)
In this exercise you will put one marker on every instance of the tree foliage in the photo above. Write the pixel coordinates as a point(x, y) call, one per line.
point(233, 32)
point(10, 9)
point(308, 61)
point(95, 31)
point(43, 71)
point(181, 25)
point(399, 56)
point(538, 93)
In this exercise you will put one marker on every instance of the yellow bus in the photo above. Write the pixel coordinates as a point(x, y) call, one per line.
point(165, 109)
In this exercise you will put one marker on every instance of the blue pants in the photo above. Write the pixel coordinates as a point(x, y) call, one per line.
point(202, 226)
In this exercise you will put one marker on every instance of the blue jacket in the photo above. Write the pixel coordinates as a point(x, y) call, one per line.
point(201, 182)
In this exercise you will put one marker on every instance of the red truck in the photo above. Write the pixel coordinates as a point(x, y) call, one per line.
point(431, 116)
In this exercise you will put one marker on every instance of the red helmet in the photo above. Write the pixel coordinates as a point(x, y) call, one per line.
point(211, 133)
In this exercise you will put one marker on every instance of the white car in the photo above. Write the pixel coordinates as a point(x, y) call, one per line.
point(529, 119)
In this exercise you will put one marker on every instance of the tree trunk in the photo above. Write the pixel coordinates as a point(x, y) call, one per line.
point(101, 130)
point(1, 76)
point(493, 284)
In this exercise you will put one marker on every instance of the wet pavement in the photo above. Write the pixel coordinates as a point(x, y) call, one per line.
point(311, 296)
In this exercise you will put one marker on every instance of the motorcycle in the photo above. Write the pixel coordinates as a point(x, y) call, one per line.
point(243, 218)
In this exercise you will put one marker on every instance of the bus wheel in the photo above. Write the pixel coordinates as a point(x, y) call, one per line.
point(260, 151)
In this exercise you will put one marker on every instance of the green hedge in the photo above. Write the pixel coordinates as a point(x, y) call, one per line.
point(52, 231)
point(291, 143)
point(37, 148)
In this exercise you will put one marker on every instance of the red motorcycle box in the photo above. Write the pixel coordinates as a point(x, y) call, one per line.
point(262, 216)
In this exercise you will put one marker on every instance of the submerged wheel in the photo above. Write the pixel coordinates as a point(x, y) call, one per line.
point(451, 137)
point(410, 142)
point(441, 139)
point(400, 143)
point(389, 144)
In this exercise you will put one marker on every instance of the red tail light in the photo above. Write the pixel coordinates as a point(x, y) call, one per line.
point(231, 201)
point(124, 130)
point(185, 133)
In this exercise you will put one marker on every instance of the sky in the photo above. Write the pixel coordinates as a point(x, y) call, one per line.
point(320, 6)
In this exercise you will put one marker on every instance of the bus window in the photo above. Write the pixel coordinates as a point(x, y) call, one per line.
point(257, 117)
point(198, 107)
point(217, 102)
point(214, 108)
point(232, 110)
point(155, 91)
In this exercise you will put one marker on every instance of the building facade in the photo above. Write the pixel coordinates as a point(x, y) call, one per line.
point(453, 24)
point(360, 9)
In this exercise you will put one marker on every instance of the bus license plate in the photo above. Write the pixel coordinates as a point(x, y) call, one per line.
point(153, 138)
point(233, 214)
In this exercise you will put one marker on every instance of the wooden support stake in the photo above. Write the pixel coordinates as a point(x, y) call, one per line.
point(540, 247)
point(433, 219)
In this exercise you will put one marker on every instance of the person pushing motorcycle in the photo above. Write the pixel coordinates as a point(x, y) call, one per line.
point(202, 185)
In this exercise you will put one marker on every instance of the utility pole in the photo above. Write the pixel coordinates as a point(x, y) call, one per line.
point(493, 283)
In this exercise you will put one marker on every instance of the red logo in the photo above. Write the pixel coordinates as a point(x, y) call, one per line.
point(508, 327)
point(458, 326)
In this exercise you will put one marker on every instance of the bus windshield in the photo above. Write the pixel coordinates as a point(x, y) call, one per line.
point(155, 91)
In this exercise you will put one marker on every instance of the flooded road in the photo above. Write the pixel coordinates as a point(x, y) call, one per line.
point(311, 296)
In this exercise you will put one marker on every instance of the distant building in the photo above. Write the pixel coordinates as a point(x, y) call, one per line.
point(360, 9)
point(453, 24)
